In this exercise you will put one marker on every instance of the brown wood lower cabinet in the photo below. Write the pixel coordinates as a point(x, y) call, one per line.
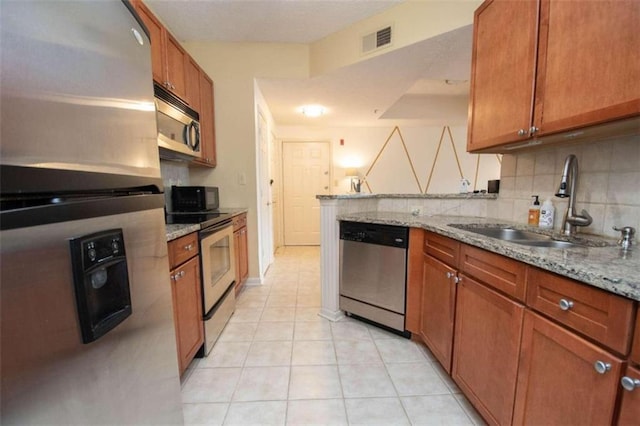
point(240, 241)
point(554, 357)
point(438, 309)
point(558, 378)
point(187, 310)
point(488, 328)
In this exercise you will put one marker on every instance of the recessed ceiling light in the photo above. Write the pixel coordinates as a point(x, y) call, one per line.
point(313, 110)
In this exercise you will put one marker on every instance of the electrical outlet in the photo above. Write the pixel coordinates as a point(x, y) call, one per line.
point(416, 210)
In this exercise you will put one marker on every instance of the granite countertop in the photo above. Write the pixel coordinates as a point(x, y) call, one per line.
point(608, 267)
point(178, 230)
point(468, 195)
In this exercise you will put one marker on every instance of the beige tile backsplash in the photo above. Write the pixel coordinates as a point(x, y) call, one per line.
point(608, 183)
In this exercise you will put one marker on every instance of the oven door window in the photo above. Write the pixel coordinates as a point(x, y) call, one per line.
point(220, 258)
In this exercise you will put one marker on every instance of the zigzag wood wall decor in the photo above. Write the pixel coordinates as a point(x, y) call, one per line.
point(438, 160)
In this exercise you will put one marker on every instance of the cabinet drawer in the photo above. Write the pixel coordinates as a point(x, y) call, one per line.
point(635, 348)
point(442, 248)
point(239, 221)
point(499, 272)
point(596, 313)
point(182, 249)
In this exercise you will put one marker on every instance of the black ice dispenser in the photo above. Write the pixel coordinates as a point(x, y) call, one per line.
point(101, 282)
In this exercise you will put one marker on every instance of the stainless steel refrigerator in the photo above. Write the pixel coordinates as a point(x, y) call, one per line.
point(87, 332)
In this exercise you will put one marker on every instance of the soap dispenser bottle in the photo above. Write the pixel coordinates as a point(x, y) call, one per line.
point(547, 212)
point(534, 211)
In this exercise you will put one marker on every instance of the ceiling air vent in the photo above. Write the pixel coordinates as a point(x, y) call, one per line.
point(376, 40)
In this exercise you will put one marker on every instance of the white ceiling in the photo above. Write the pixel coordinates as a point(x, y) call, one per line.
point(403, 87)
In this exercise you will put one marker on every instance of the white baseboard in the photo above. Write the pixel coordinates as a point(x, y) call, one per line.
point(331, 315)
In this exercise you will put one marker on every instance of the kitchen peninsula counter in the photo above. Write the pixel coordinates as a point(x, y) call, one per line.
point(608, 268)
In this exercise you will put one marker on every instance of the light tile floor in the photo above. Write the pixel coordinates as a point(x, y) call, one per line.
point(277, 362)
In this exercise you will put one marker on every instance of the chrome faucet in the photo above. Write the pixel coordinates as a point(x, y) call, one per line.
point(567, 188)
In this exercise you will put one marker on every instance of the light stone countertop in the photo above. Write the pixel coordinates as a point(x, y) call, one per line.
point(608, 268)
point(181, 229)
point(358, 196)
point(175, 231)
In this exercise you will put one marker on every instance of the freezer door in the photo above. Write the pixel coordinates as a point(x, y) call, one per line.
point(77, 89)
point(129, 375)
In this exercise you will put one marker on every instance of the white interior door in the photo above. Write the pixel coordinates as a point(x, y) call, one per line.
point(265, 221)
point(306, 167)
point(276, 191)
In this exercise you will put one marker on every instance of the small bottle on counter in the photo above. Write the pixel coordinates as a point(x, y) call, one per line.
point(547, 213)
point(534, 211)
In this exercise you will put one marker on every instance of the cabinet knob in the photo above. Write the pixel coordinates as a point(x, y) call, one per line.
point(629, 383)
point(601, 366)
point(177, 276)
point(457, 279)
point(188, 247)
point(450, 274)
point(533, 130)
point(565, 304)
point(522, 132)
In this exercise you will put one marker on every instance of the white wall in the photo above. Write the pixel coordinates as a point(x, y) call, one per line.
point(233, 68)
point(392, 172)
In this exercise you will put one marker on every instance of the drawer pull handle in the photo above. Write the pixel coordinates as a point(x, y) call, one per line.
point(565, 304)
point(629, 384)
point(602, 367)
point(189, 247)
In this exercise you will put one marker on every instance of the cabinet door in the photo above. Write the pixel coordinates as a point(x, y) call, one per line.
point(244, 255)
point(487, 345)
point(589, 63)
point(187, 309)
point(236, 244)
point(207, 122)
point(414, 280)
point(175, 66)
point(192, 81)
point(438, 299)
point(557, 380)
point(502, 72)
point(156, 36)
point(630, 406)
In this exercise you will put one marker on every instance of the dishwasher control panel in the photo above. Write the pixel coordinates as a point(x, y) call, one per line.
point(387, 235)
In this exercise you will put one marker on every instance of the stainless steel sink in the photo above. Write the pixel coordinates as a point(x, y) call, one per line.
point(516, 236)
point(508, 234)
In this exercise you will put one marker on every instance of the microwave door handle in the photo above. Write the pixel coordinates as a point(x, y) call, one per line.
point(196, 135)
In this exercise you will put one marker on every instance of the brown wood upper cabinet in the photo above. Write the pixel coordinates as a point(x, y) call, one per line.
point(546, 66)
point(207, 122)
point(168, 58)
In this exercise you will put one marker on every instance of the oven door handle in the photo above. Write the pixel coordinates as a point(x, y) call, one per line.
point(204, 233)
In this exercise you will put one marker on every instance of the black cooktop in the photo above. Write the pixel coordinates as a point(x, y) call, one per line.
point(205, 218)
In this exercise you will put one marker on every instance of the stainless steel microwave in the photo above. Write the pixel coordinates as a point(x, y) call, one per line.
point(178, 126)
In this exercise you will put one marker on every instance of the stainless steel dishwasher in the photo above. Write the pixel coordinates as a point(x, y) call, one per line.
point(373, 265)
